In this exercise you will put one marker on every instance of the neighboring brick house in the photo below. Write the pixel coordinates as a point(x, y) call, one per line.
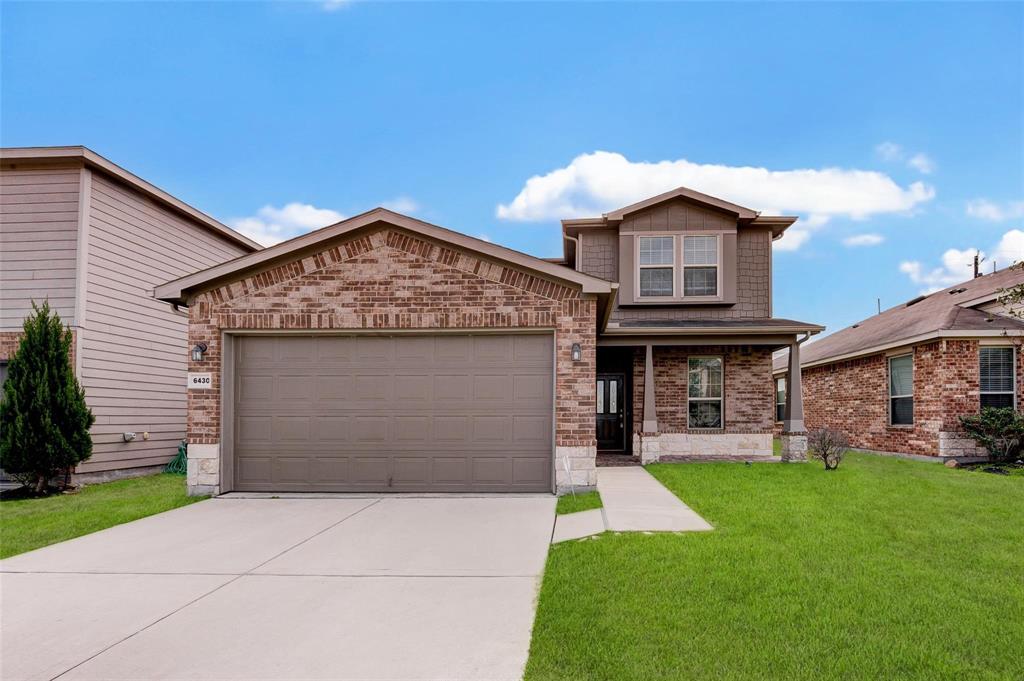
point(93, 239)
point(383, 353)
point(899, 381)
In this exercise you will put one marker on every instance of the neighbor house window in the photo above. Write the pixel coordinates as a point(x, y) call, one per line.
point(901, 390)
point(657, 266)
point(700, 266)
point(705, 392)
point(780, 399)
point(997, 377)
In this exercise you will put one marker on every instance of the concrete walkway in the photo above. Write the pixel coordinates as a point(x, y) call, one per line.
point(634, 501)
point(374, 588)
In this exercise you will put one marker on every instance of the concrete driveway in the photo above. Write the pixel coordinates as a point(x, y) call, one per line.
point(339, 588)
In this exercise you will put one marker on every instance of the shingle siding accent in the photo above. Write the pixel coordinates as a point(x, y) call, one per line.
point(600, 254)
point(391, 279)
point(753, 286)
point(853, 396)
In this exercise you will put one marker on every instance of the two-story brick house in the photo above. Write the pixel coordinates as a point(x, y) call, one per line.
point(383, 353)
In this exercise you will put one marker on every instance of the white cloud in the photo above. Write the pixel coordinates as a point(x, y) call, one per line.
point(272, 225)
point(994, 212)
point(792, 239)
point(895, 153)
point(922, 162)
point(402, 204)
point(890, 151)
point(601, 181)
point(957, 265)
point(483, 237)
point(335, 5)
point(863, 240)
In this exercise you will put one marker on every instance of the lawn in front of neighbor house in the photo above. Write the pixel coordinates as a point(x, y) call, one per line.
point(883, 569)
point(27, 524)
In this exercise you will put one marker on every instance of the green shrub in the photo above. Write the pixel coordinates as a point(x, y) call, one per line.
point(1000, 430)
point(828, 446)
point(44, 421)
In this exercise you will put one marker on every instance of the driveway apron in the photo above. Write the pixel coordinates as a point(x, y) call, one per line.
point(340, 588)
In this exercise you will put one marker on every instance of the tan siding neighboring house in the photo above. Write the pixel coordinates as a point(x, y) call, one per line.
point(135, 350)
point(38, 241)
point(96, 240)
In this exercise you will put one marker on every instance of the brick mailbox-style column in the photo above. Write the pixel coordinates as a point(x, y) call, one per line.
point(794, 434)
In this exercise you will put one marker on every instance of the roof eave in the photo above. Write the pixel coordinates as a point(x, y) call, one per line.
point(913, 340)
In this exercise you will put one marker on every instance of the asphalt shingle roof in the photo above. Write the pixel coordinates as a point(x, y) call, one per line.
point(939, 311)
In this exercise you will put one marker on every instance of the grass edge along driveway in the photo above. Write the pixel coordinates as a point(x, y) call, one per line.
point(886, 568)
point(27, 524)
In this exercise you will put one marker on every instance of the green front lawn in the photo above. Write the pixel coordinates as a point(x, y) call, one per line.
point(27, 524)
point(883, 569)
point(581, 502)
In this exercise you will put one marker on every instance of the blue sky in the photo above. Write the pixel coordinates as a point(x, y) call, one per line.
point(895, 131)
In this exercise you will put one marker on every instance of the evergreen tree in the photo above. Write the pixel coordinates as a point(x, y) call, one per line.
point(44, 421)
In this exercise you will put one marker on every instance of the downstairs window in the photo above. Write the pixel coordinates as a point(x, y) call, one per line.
point(704, 393)
point(997, 377)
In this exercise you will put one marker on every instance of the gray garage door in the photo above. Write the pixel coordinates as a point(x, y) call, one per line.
point(440, 413)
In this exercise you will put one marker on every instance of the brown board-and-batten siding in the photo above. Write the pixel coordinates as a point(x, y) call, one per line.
point(38, 241)
point(135, 349)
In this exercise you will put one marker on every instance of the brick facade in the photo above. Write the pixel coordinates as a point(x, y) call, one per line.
point(749, 403)
point(853, 396)
point(747, 411)
point(9, 341)
point(391, 279)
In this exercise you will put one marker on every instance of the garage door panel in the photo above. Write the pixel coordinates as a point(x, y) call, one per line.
point(403, 413)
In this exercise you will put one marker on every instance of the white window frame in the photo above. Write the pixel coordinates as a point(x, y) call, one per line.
point(1013, 376)
point(674, 266)
point(720, 399)
point(783, 402)
point(718, 268)
point(678, 268)
point(888, 390)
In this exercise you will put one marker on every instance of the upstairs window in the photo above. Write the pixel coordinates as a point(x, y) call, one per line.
point(901, 390)
point(780, 399)
point(700, 266)
point(704, 392)
point(997, 377)
point(657, 266)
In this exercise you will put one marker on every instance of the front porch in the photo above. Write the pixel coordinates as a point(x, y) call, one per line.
point(672, 401)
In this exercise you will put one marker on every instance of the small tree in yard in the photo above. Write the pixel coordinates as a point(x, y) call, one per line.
point(1000, 430)
point(44, 421)
point(829, 446)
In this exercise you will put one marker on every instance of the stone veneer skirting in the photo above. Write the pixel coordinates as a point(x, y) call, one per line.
point(652, 446)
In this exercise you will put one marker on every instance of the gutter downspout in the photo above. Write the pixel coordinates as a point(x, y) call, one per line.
point(576, 241)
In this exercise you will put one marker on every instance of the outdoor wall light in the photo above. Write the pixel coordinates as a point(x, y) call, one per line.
point(197, 352)
point(577, 352)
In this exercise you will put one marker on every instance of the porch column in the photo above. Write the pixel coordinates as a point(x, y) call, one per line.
point(794, 421)
point(650, 408)
point(794, 436)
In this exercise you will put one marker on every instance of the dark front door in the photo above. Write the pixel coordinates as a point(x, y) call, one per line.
point(611, 413)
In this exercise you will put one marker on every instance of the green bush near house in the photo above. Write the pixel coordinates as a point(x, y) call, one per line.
point(581, 502)
point(883, 569)
point(1000, 430)
point(27, 524)
point(44, 421)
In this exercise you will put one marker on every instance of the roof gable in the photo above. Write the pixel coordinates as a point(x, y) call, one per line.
point(295, 249)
